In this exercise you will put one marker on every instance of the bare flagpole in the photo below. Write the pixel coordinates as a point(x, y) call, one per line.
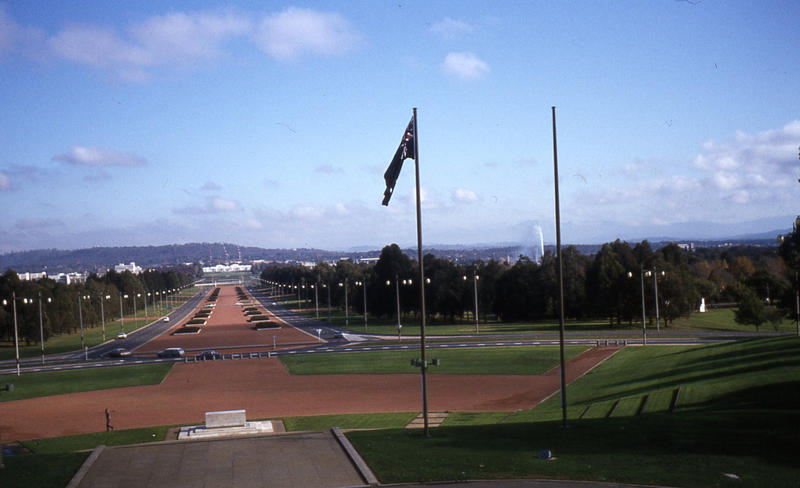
point(560, 280)
point(424, 368)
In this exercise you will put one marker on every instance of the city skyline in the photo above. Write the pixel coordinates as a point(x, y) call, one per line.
point(142, 124)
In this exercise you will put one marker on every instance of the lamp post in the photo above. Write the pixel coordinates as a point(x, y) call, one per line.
point(316, 299)
point(644, 328)
point(346, 312)
point(328, 286)
point(122, 315)
point(41, 324)
point(16, 329)
point(80, 317)
point(145, 306)
point(655, 287)
point(397, 300)
point(103, 315)
point(475, 279)
point(363, 285)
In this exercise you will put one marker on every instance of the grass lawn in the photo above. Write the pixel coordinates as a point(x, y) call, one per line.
point(55, 383)
point(522, 360)
point(713, 320)
point(349, 421)
point(739, 413)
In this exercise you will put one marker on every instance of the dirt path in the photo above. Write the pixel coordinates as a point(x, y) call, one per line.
point(266, 390)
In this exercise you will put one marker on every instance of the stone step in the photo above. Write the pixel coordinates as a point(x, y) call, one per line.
point(435, 419)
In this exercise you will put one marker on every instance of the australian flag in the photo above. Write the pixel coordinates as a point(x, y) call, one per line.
point(404, 151)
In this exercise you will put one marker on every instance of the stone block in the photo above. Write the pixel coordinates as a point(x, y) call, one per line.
point(226, 418)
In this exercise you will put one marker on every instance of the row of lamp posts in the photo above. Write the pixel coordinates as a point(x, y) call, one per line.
point(26, 301)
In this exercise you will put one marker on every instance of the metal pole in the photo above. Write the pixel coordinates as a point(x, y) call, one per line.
point(797, 304)
point(144, 298)
point(655, 286)
point(16, 329)
point(475, 286)
point(103, 316)
point(424, 368)
point(560, 279)
point(80, 317)
point(644, 328)
point(316, 299)
point(328, 286)
point(133, 297)
point(346, 312)
point(397, 300)
point(41, 326)
point(364, 284)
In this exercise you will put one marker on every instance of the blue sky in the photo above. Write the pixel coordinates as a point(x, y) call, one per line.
point(271, 124)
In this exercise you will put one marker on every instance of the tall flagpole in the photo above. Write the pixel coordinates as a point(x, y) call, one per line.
point(424, 368)
point(560, 280)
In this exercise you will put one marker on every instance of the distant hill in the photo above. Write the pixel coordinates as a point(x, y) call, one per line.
point(99, 259)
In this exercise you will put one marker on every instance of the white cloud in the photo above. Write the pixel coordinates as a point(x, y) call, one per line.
point(328, 169)
point(223, 205)
point(450, 29)
point(210, 186)
point(307, 213)
point(176, 39)
point(15, 37)
point(751, 165)
point(5, 181)
point(96, 156)
point(462, 195)
point(295, 31)
point(464, 66)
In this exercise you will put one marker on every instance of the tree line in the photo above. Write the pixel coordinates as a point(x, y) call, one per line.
point(59, 301)
point(606, 285)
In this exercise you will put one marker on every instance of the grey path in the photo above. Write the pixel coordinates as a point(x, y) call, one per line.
point(310, 459)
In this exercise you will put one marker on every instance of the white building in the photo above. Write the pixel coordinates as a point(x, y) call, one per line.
point(121, 268)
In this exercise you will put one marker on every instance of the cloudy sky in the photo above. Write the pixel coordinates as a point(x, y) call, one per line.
point(271, 124)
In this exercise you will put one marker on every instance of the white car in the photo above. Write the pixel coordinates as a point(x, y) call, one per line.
point(122, 335)
point(165, 319)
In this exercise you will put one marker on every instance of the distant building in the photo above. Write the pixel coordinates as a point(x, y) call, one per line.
point(227, 268)
point(32, 276)
point(121, 268)
point(69, 278)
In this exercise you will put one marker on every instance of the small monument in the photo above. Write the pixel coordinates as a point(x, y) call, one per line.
point(225, 423)
point(702, 305)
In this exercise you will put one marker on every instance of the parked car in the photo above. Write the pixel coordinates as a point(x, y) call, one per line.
point(122, 335)
point(118, 352)
point(166, 319)
point(171, 352)
point(209, 354)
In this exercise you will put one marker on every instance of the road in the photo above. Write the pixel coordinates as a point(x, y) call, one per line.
point(338, 340)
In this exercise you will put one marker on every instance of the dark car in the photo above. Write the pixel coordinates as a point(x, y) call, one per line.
point(118, 352)
point(171, 352)
point(210, 354)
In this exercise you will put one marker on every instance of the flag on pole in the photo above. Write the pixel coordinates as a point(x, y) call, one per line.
point(404, 151)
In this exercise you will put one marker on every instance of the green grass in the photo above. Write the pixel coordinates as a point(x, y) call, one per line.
point(54, 460)
point(33, 385)
point(714, 320)
point(739, 412)
point(349, 421)
point(692, 450)
point(41, 471)
point(522, 360)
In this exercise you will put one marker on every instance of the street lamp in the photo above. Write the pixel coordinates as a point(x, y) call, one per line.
point(475, 279)
point(80, 316)
point(41, 323)
point(655, 287)
point(103, 315)
point(122, 315)
point(364, 287)
point(397, 299)
point(346, 312)
point(644, 328)
point(316, 298)
point(16, 329)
